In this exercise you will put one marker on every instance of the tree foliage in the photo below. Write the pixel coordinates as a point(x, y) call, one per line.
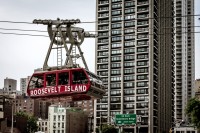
point(31, 121)
point(193, 110)
point(109, 129)
point(32, 124)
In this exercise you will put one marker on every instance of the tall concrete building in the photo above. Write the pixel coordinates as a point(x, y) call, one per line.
point(184, 56)
point(23, 84)
point(135, 58)
point(10, 85)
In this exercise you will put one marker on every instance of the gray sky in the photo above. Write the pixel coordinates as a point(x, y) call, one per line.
point(20, 55)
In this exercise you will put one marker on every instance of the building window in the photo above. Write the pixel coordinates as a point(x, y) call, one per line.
point(100, 47)
point(142, 70)
point(127, 4)
point(142, 56)
point(142, 105)
point(142, 91)
point(142, 84)
point(115, 92)
point(129, 92)
point(129, 57)
point(116, 25)
point(115, 72)
point(116, 32)
point(103, 27)
point(128, 77)
point(102, 60)
point(129, 84)
point(127, 24)
point(142, 98)
point(129, 64)
point(129, 37)
point(103, 15)
point(102, 66)
point(142, 43)
point(116, 5)
point(130, 10)
point(116, 45)
point(115, 65)
point(129, 99)
point(58, 124)
point(117, 38)
point(129, 30)
point(116, 58)
point(117, 12)
point(129, 43)
point(142, 63)
point(143, 49)
point(142, 22)
point(115, 78)
point(128, 17)
point(116, 0)
point(116, 85)
point(113, 52)
point(129, 50)
point(141, 36)
point(142, 77)
point(143, 15)
point(117, 18)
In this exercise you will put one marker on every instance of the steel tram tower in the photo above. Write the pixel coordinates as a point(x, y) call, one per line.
point(64, 35)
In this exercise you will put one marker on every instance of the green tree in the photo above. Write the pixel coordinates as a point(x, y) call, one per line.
point(193, 110)
point(109, 129)
point(32, 124)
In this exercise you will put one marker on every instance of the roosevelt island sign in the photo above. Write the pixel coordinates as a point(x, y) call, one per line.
point(125, 119)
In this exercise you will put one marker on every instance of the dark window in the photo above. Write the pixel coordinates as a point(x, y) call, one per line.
point(63, 78)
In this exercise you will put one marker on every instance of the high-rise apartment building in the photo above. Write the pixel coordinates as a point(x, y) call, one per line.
point(184, 56)
point(135, 58)
point(23, 84)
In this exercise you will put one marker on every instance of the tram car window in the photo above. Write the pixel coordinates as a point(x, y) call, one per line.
point(79, 77)
point(51, 79)
point(37, 81)
point(63, 78)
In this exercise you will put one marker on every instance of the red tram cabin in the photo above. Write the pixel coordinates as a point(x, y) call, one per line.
point(77, 83)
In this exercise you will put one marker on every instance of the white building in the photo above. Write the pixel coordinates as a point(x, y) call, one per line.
point(57, 119)
point(43, 125)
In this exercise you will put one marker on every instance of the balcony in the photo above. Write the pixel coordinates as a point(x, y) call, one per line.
point(102, 9)
point(144, 9)
point(103, 2)
point(142, 3)
point(103, 15)
point(142, 16)
point(143, 29)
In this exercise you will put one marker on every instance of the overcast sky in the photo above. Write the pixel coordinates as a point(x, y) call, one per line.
point(20, 55)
